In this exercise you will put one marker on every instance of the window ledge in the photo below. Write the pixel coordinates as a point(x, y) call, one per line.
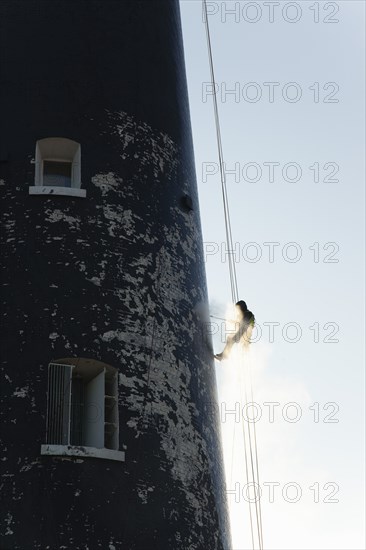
point(49, 190)
point(85, 452)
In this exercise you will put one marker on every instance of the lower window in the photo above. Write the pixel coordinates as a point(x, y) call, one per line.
point(82, 406)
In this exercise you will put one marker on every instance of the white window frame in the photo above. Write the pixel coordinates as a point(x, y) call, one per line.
point(99, 419)
point(58, 149)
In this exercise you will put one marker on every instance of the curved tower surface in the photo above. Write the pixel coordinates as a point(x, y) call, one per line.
point(110, 434)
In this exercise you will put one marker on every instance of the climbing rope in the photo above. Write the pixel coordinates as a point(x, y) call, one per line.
point(249, 435)
point(255, 451)
point(249, 427)
point(229, 238)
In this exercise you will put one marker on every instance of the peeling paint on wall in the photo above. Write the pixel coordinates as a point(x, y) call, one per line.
point(117, 277)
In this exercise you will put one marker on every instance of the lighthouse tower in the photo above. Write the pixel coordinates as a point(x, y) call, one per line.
point(110, 433)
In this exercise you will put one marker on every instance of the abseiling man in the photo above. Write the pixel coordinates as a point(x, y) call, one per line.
point(245, 323)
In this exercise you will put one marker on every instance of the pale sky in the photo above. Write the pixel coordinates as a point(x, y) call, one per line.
point(304, 132)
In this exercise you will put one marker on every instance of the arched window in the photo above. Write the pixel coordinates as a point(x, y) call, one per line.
point(57, 168)
point(82, 409)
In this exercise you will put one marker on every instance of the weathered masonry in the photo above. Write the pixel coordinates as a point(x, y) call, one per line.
point(110, 437)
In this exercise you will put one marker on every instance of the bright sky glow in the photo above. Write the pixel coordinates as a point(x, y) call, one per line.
point(300, 252)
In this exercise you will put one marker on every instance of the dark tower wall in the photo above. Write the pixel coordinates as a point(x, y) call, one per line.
point(116, 277)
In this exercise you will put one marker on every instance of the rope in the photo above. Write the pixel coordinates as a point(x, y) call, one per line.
point(253, 463)
point(235, 297)
point(246, 460)
point(256, 453)
point(229, 238)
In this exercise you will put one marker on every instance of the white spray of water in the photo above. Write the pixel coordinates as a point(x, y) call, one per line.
point(237, 378)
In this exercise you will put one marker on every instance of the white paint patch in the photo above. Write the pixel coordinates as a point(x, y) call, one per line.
point(8, 521)
point(21, 392)
point(129, 381)
point(160, 150)
point(142, 494)
point(96, 280)
point(56, 215)
point(107, 182)
point(9, 225)
point(115, 334)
